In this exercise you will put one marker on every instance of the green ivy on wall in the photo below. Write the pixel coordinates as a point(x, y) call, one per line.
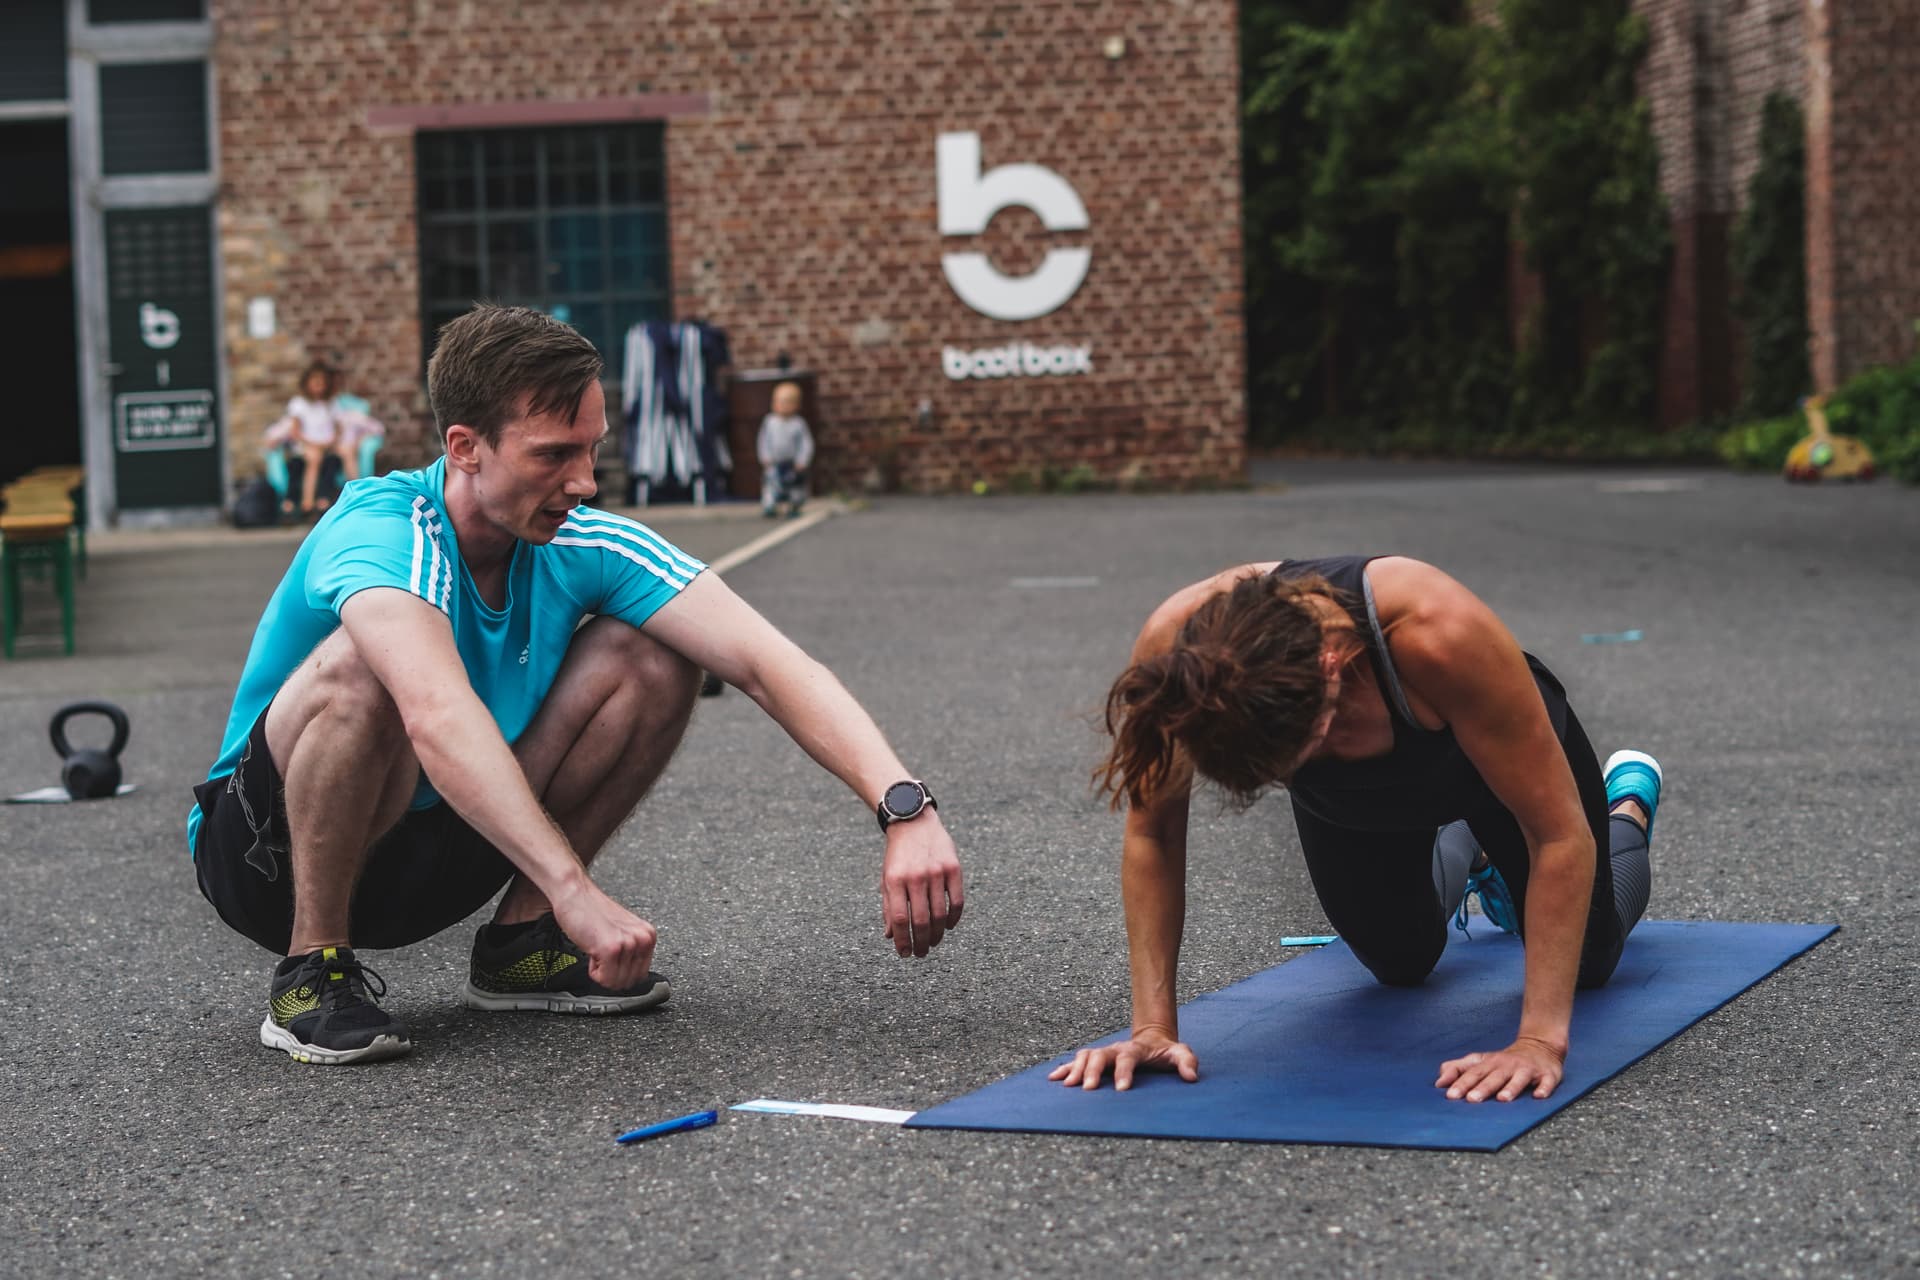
point(1770, 266)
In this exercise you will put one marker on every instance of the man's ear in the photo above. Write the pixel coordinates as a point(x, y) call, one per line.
point(463, 448)
point(1332, 661)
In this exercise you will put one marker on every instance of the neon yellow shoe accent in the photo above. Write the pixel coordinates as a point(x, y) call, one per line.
point(530, 971)
point(289, 1005)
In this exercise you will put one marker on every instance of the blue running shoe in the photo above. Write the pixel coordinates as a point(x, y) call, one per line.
point(1634, 775)
point(1496, 900)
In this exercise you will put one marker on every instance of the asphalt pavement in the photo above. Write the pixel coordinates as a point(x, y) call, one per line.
point(146, 1132)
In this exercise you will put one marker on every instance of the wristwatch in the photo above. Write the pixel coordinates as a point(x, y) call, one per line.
point(904, 801)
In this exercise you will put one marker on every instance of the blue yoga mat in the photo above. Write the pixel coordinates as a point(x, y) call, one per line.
point(1314, 1050)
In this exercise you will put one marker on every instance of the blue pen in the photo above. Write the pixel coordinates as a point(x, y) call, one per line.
point(698, 1120)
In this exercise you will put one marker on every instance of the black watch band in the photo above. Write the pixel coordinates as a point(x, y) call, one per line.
point(904, 801)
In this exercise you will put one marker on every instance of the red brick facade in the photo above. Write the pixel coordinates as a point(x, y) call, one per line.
point(1854, 66)
point(1710, 66)
point(802, 206)
point(1863, 184)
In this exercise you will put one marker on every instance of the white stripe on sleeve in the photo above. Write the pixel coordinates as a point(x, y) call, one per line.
point(602, 522)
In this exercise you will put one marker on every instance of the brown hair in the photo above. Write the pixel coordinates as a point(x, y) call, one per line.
point(490, 358)
point(1237, 695)
point(320, 367)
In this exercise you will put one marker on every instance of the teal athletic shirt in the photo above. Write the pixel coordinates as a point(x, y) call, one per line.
point(393, 531)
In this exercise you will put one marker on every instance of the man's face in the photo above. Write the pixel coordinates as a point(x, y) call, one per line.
point(542, 469)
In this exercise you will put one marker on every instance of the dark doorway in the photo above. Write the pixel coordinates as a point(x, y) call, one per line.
point(36, 300)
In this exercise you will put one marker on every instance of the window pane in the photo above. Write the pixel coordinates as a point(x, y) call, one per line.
point(153, 118)
point(639, 250)
point(450, 254)
point(574, 261)
point(566, 220)
point(105, 11)
point(33, 50)
point(507, 156)
point(573, 168)
point(590, 318)
point(513, 260)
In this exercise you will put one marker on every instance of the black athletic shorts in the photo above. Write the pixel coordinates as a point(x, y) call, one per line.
point(428, 873)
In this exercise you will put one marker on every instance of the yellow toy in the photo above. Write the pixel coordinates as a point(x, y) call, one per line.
point(1825, 456)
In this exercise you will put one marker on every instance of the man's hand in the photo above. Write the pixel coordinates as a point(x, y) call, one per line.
point(1150, 1049)
point(1504, 1075)
point(920, 889)
point(619, 944)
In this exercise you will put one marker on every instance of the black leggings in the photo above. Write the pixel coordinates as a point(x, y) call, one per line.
point(1389, 894)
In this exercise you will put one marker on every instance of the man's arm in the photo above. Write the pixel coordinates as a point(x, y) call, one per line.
point(409, 645)
point(708, 624)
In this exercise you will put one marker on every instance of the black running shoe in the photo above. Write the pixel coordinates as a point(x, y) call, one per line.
point(538, 967)
point(320, 1009)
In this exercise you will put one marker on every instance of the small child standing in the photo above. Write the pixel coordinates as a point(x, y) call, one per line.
point(785, 449)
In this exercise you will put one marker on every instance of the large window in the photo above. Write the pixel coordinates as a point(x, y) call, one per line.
point(570, 220)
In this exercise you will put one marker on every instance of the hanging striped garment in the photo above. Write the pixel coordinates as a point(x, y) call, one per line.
point(670, 438)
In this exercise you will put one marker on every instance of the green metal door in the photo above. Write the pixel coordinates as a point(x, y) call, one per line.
point(160, 335)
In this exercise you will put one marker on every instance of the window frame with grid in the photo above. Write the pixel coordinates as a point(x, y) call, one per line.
point(568, 219)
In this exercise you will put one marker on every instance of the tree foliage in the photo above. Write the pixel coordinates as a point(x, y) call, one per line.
point(1395, 150)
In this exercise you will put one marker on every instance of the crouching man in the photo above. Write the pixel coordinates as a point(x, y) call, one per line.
point(466, 681)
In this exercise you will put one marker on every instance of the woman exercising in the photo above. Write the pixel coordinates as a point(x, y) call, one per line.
point(1392, 704)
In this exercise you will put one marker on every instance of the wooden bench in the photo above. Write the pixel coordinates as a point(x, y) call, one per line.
point(38, 530)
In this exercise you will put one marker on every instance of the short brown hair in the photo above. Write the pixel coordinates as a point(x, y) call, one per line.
point(1237, 695)
point(492, 357)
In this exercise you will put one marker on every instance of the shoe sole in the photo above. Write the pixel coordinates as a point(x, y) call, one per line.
point(275, 1036)
point(562, 1002)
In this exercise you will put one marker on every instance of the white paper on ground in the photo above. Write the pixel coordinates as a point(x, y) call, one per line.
point(58, 795)
point(836, 1110)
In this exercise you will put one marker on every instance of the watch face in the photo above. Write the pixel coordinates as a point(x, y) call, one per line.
point(903, 800)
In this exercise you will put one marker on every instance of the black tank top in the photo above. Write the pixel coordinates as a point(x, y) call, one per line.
point(1426, 780)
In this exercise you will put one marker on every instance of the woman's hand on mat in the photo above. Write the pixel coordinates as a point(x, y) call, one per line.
point(1504, 1075)
point(1148, 1050)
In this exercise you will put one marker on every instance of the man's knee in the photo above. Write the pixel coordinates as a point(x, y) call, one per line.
point(336, 683)
point(631, 655)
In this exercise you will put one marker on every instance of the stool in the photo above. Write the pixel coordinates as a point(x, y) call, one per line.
point(34, 540)
point(51, 487)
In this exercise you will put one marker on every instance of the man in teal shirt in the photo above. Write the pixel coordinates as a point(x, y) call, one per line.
point(423, 717)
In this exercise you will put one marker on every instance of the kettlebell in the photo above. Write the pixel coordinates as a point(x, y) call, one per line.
point(89, 774)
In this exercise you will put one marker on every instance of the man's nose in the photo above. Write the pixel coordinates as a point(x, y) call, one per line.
point(580, 484)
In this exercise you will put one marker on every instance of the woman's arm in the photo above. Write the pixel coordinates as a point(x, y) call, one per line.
point(1153, 888)
point(1457, 658)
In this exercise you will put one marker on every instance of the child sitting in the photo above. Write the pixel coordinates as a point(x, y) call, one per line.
point(321, 436)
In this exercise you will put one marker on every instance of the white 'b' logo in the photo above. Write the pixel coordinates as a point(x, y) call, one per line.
point(968, 201)
point(159, 327)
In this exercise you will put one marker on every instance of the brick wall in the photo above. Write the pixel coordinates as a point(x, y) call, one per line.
point(1710, 66)
point(801, 205)
point(1863, 184)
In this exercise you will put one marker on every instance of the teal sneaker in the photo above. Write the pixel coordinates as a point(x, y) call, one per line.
point(1634, 775)
point(1496, 900)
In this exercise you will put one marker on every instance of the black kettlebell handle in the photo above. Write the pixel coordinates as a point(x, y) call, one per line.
point(121, 727)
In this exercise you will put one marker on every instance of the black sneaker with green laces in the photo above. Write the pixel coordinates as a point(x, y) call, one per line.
point(321, 1009)
point(536, 966)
